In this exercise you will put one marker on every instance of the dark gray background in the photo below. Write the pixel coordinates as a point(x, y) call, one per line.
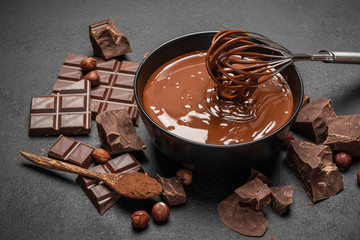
point(35, 37)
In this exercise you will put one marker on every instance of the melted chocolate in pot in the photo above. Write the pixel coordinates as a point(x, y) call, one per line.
point(181, 97)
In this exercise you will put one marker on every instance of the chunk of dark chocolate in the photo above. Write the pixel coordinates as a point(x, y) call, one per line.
point(107, 40)
point(344, 134)
point(243, 220)
point(117, 133)
point(173, 191)
point(101, 196)
point(310, 121)
point(256, 174)
point(70, 150)
point(67, 112)
point(314, 167)
point(254, 193)
point(281, 198)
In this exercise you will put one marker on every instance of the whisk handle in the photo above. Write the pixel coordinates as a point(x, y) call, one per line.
point(341, 57)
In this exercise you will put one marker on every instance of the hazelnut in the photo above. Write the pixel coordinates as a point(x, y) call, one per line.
point(185, 176)
point(140, 219)
point(343, 160)
point(93, 77)
point(88, 64)
point(160, 212)
point(358, 177)
point(287, 140)
point(100, 155)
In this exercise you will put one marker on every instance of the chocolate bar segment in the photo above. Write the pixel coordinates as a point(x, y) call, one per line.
point(173, 191)
point(310, 122)
point(101, 196)
point(67, 112)
point(72, 151)
point(313, 165)
point(281, 198)
point(344, 134)
point(117, 133)
point(107, 40)
point(255, 194)
point(115, 90)
point(243, 220)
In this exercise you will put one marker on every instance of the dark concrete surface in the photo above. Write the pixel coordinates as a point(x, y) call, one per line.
point(37, 203)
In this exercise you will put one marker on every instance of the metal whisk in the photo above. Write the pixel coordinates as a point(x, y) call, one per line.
point(238, 61)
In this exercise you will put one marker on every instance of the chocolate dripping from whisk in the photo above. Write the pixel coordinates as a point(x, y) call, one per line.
point(236, 76)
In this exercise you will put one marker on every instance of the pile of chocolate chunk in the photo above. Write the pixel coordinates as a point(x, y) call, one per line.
point(333, 142)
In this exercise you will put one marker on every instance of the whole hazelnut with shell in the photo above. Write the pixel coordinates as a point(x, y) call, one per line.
point(140, 219)
point(88, 64)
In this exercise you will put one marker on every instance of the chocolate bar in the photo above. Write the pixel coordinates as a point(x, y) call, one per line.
point(67, 112)
point(101, 196)
point(72, 151)
point(313, 165)
point(173, 191)
point(243, 220)
point(344, 134)
point(115, 90)
point(117, 133)
point(281, 198)
point(255, 194)
point(107, 40)
point(310, 122)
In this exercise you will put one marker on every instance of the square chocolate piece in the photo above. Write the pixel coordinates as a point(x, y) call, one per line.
point(101, 196)
point(255, 194)
point(115, 90)
point(344, 134)
point(310, 121)
point(281, 198)
point(107, 40)
point(67, 112)
point(72, 151)
point(117, 133)
point(313, 165)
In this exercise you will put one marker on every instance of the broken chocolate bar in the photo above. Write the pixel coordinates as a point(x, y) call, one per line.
point(70, 150)
point(314, 167)
point(107, 40)
point(67, 112)
point(243, 220)
point(344, 134)
point(254, 193)
point(281, 198)
point(256, 174)
point(310, 121)
point(173, 191)
point(115, 90)
point(101, 196)
point(117, 133)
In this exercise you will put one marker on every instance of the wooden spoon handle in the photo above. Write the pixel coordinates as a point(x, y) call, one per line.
point(62, 166)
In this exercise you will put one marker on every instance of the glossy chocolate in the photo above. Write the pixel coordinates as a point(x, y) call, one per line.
point(182, 98)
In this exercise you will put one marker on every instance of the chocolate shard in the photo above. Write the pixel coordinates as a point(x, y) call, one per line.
point(72, 151)
point(256, 174)
point(101, 196)
point(344, 134)
point(281, 198)
point(173, 191)
point(310, 122)
point(107, 40)
point(243, 220)
point(117, 133)
point(314, 167)
point(255, 194)
point(67, 112)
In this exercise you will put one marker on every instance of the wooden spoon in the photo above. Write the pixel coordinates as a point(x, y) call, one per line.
point(131, 184)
